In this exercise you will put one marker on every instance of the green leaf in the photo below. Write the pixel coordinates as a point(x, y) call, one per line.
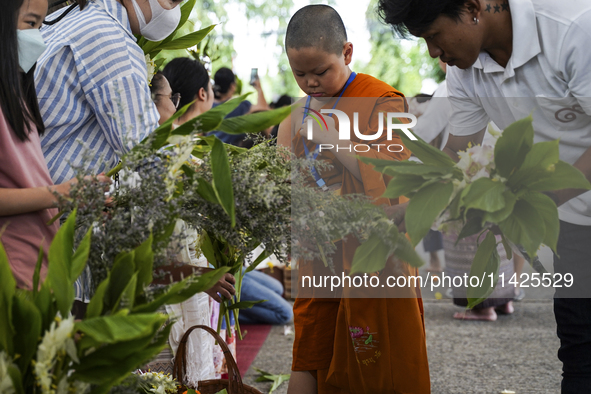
point(485, 194)
point(524, 227)
point(209, 120)
point(27, 321)
point(264, 254)
point(502, 214)
point(16, 377)
point(152, 47)
point(222, 179)
point(166, 233)
point(370, 256)
point(80, 257)
point(118, 328)
point(508, 250)
point(405, 252)
point(547, 210)
point(119, 277)
point(144, 262)
point(426, 153)
point(205, 190)
point(188, 40)
point(45, 305)
point(95, 307)
point(513, 146)
point(542, 155)
point(245, 304)
point(59, 270)
point(561, 176)
point(393, 167)
point(486, 261)
point(473, 226)
point(7, 286)
point(37, 272)
point(403, 185)
point(207, 249)
point(256, 122)
point(424, 208)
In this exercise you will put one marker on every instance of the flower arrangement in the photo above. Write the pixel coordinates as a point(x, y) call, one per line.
point(43, 350)
point(259, 197)
point(488, 192)
point(158, 383)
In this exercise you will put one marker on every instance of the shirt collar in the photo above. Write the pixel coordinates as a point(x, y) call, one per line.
point(118, 12)
point(526, 42)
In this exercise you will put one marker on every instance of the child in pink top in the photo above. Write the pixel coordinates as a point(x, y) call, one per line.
point(27, 198)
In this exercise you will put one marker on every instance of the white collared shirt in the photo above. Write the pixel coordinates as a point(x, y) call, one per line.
point(548, 74)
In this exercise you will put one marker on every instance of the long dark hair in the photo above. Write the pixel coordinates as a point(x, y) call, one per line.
point(224, 78)
point(186, 76)
point(18, 98)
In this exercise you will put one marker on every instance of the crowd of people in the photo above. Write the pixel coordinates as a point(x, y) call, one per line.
point(74, 96)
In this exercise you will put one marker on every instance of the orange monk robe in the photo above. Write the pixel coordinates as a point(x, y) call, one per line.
point(322, 338)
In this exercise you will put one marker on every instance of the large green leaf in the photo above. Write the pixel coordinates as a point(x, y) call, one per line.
point(7, 286)
point(118, 328)
point(222, 179)
point(95, 307)
point(209, 120)
point(205, 190)
point(485, 194)
point(16, 377)
point(370, 256)
point(403, 185)
point(473, 226)
point(393, 167)
point(486, 261)
point(524, 227)
point(424, 208)
point(426, 153)
point(188, 40)
point(45, 305)
point(256, 122)
point(547, 210)
point(59, 271)
point(542, 155)
point(119, 277)
point(37, 272)
point(80, 257)
point(27, 324)
point(561, 176)
point(513, 146)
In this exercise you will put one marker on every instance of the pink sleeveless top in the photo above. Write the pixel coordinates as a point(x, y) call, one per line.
point(22, 166)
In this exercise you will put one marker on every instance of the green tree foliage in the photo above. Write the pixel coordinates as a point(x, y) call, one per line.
point(401, 63)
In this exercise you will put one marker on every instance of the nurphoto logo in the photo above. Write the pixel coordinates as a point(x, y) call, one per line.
point(344, 129)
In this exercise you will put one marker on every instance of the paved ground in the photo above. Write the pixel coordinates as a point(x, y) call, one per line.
point(517, 352)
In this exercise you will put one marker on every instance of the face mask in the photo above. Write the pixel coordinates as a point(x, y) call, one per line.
point(30, 47)
point(161, 25)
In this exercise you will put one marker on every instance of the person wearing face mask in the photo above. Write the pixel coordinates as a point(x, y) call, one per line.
point(92, 85)
point(92, 81)
point(27, 194)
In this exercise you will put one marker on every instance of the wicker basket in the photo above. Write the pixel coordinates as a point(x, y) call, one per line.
point(233, 385)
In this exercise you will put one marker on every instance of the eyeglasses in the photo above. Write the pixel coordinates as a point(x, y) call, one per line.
point(175, 98)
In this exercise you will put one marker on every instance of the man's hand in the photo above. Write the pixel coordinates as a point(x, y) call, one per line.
point(319, 134)
point(224, 287)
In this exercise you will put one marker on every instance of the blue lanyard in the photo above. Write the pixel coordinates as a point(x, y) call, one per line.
point(319, 181)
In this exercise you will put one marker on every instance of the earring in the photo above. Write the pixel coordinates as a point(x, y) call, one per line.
point(476, 20)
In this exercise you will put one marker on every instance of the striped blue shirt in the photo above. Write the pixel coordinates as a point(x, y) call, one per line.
point(93, 90)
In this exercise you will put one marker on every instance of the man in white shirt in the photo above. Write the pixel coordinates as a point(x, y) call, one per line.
point(507, 59)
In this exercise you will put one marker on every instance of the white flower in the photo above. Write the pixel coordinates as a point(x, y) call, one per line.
point(53, 345)
point(482, 173)
point(151, 68)
point(6, 386)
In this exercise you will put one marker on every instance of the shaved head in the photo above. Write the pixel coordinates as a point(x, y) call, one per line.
point(318, 26)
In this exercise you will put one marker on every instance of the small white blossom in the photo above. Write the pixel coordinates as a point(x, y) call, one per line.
point(6, 386)
point(151, 68)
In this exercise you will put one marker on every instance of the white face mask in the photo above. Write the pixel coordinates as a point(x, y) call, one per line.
point(163, 21)
point(30, 48)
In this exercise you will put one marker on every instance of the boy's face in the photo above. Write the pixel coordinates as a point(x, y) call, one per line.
point(456, 43)
point(31, 14)
point(320, 73)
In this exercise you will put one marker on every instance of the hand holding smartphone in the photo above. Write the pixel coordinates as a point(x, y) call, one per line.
point(254, 75)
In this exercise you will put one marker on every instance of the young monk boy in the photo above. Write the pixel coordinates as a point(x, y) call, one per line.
point(343, 344)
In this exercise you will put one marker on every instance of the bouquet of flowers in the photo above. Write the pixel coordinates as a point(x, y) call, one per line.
point(255, 209)
point(489, 191)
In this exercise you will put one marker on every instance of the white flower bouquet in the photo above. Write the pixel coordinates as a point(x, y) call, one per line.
point(489, 191)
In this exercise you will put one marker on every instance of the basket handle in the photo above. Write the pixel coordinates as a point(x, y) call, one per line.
point(235, 385)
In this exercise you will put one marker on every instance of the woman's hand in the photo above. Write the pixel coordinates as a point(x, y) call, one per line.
point(224, 287)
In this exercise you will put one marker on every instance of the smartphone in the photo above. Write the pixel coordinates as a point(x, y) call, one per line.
point(254, 75)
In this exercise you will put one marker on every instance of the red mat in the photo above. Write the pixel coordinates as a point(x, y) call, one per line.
point(248, 348)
